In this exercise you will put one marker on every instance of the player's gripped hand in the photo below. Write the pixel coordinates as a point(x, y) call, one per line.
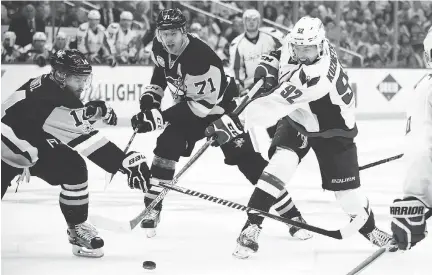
point(148, 121)
point(408, 223)
point(98, 109)
point(135, 167)
point(224, 129)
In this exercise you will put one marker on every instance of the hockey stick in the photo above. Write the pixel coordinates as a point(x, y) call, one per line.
point(380, 162)
point(110, 224)
point(348, 230)
point(376, 255)
point(109, 176)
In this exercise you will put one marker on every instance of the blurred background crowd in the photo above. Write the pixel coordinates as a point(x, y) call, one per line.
point(367, 34)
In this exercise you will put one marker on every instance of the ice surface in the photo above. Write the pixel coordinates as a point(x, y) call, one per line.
point(197, 236)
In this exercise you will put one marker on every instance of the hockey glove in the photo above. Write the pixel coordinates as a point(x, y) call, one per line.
point(267, 70)
point(151, 98)
point(148, 121)
point(135, 167)
point(409, 222)
point(98, 109)
point(224, 129)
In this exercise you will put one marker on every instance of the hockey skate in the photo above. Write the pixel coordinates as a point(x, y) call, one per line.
point(299, 233)
point(379, 238)
point(247, 242)
point(85, 240)
point(150, 223)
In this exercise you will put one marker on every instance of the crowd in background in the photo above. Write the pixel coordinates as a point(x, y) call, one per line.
point(366, 28)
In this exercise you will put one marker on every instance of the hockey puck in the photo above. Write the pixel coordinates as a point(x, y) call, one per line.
point(149, 265)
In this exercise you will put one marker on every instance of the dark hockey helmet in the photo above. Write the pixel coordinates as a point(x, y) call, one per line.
point(71, 62)
point(170, 19)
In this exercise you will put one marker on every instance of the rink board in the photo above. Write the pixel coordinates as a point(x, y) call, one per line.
point(379, 93)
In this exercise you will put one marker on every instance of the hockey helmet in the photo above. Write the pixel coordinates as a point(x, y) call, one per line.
point(94, 15)
point(251, 13)
point(126, 15)
point(9, 38)
point(171, 19)
point(70, 62)
point(308, 31)
point(428, 48)
point(39, 36)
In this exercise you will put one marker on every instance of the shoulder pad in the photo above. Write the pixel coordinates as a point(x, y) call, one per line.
point(83, 27)
point(113, 27)
point(100, 27)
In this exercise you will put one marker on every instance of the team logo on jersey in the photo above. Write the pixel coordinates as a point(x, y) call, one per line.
point(161, 61)
point(389, 87)
point(239, 142)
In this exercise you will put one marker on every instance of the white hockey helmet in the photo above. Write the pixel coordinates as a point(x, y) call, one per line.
point(308, 31)
point(251, 14)
point(11, 38)
point(427, 43)
point(94, 15)
point(39, 36)
point(126, 15)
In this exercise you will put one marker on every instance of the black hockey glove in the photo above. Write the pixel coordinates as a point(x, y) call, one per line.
point(148, 121)
point(98, 109)
point(151, 98)
point(409, 222)
point(224, 129)
point(135, 167)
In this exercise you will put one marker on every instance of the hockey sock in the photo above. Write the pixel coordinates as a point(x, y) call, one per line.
point(162, 170)
point(285, 206)
point(260, 200)
point(74, 201)
point(354, 203)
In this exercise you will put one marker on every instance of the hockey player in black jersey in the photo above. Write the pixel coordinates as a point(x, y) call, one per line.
point(313, 106)
point(45, 127)
point(202, 93)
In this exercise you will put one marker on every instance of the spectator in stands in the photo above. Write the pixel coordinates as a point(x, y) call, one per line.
point(4, 15)
point(37, 53)
point(270, 13)
point(10, 52)
point(285, 18)
point(41, 12)
point(356, 42)
point(344, 40)
point(26, 26)
point(91, 41)
point(60, 43)
point(123, 40)
point(141, 14)
point(332, 31)
point(60, 15)
point(109, 14)
point(236, 28)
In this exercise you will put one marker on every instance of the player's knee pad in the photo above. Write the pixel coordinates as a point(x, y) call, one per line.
point(278, 172)
point(353, 202)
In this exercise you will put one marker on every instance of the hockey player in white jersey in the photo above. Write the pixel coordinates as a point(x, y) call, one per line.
point(313, 106)
point(409, 227)
point(122, 39)
point(91, 38)
point(247, 48)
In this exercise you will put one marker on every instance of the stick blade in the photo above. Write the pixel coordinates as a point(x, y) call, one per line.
point(110, 224)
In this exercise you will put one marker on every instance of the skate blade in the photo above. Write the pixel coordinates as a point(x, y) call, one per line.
point(242, 252)
point(150, 232)
point(87, 253)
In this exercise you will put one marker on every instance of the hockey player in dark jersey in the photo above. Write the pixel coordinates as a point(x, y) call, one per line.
point(45, 127)
point(202, 93)
point(313, 106)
